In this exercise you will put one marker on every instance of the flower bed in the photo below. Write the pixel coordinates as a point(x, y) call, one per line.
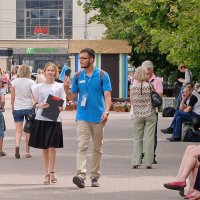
point(122, 106)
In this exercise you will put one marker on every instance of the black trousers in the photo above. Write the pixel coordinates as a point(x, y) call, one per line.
point(156, 138)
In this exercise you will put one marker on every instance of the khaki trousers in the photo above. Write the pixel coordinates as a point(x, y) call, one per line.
point(144, 127)
point(84, 131)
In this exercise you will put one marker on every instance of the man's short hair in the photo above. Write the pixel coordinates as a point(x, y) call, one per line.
point(90, 52)
point(147, 64)
point(181, 66)
point(189, 85)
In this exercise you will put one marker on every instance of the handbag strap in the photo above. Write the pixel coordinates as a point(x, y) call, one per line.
point(151, 87)
point(34, 105)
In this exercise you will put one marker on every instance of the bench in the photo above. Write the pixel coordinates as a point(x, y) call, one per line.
point(185, 126)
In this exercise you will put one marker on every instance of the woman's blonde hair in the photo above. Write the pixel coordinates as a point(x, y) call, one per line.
point(140, 74)
point(54, 66)
point(24, 71)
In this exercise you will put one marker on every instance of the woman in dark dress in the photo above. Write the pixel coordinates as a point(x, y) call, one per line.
point(45, 133)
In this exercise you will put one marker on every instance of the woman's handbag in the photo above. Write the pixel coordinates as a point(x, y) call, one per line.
point(156, 99)
point(29, 120)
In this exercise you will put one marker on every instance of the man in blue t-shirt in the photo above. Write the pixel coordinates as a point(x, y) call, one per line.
point(91, 87)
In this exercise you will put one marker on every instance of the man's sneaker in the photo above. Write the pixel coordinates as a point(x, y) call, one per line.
point(79, 181)
point(94, 183)
point(167, 130)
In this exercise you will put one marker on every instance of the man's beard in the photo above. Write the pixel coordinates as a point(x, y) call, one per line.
point(85, 67)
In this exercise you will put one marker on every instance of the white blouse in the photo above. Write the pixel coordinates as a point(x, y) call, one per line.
point(41, 92)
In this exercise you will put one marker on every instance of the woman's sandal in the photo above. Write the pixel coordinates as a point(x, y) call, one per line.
point(53, 177)
point(28, 155)
point(47, 180)
point(135, 166)
point(2, 153)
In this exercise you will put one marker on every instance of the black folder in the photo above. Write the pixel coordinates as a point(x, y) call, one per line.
point(52, 111)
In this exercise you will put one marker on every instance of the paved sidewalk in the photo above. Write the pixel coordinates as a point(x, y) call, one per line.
point(22, 179)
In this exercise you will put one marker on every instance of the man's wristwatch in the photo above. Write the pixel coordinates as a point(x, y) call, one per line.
point(107, 113)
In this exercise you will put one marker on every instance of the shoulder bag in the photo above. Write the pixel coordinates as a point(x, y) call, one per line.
point(29, 120)
point(156, 99)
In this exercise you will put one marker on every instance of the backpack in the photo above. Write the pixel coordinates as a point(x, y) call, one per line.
point(191, 136)
point(168, 112)
point(101, 76)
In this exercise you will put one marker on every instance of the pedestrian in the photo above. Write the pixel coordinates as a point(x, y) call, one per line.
point(158, 86)
point(189, 108)
point(91, 87)
point(22, 103)
point(6, 79)
point(188, 169)
point(188, 78)
point(14, 72)
point(40, 78)
point(2, 121)
point(144, 119)
point(179, 76)
point(47, 134)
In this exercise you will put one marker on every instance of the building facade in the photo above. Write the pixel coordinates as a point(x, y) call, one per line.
point(46, 19)
point(39, 31)
point(43, 19)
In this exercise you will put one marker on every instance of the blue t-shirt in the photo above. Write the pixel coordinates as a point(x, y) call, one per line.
point(94, 87)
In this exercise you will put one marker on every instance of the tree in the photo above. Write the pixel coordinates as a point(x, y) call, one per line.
point(164, 28)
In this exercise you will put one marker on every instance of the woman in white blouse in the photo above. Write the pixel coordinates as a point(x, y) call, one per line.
point(22, 103)
point(47, 134)
point(144, 119)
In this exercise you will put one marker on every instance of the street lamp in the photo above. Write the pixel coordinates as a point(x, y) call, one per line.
point(58, 18)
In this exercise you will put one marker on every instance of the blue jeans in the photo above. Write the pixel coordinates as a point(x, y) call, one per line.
point(176, 124)
point(179, 99)
point(2, 125)
point(19, 115)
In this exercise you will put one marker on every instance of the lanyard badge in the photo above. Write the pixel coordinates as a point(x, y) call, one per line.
point(84, 99)
point(85, 94)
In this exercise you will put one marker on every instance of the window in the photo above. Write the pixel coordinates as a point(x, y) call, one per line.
point(20, 14)
point(20, 4)
point(53, 14)
point(35, 4)
point(28, 14)
point(34, 13)
point(20, 31)
point(44, 13)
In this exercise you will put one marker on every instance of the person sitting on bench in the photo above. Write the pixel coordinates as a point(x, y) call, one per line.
point(189, 108)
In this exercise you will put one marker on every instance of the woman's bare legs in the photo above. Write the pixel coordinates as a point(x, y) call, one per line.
point(46, 166)
point(49, 157)
point(189, 162)
point(52, 159)
point(27, 147)
point(18, 132)
point(46, 160)
point(18, 135)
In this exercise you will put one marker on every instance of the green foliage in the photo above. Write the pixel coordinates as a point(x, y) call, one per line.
point(156, 29)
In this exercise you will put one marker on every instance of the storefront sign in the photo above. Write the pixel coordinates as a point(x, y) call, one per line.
point(41, 30)
point(41, 50)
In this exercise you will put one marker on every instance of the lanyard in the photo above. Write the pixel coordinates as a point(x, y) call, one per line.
point(87, 84)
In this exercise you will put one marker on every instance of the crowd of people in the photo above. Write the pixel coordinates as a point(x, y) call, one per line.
point(144, 119)
point(91, 89)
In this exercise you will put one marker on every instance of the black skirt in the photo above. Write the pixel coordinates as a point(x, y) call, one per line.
point(46, 134)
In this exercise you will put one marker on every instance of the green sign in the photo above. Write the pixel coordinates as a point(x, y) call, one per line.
point(41, 50)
